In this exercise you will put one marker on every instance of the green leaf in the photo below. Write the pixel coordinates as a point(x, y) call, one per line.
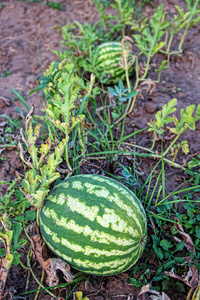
point(19, 196)
point(180, 287)
point(193, 163)
point(165, 244)
point(158, 47)
point(169, 264)
point(120, 85)
point(11, 121)
point(132, 94)
point(83, 103)
point(163, 65)
point(187, 118)
point(179, 260)
point(112, 91)
point(38, 88)
point(158, 251)
point(180, 246)
point(16, 258)
point(155, 239)
point(114, 115)
point(197, 116)
point(180, 11)
point(169, 107)
point(21, 99)
point(2, 252)
point(30, 215)
point(17, 231)
point(197, 230)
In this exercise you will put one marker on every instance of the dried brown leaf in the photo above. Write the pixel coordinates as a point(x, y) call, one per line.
point(186, 237)
point(151, 86)
point(50, 265)
point(64, 267)
point(191, 279)
point(146, 294)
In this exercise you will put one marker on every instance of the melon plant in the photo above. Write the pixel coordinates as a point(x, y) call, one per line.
point(94, 223)
point(110, 61)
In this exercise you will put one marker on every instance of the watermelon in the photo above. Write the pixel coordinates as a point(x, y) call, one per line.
point(108, 62)
point(94, 223)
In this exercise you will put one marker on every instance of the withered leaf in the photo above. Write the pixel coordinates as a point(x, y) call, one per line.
point(146, 294)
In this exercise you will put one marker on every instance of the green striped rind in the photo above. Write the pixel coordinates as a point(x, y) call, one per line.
point(95, 223)
point(109, 56)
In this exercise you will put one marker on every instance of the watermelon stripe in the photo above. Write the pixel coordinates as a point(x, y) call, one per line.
point(95, 223)
point(108, 217)
point(109, 262)
point(95, 235)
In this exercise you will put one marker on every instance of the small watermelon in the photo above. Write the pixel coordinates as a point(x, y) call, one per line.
point(109, 60)
point(94, 223)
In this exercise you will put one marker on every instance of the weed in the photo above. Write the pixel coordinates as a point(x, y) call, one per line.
point(187, 121)
point(14, 217)
point(54, 5)
point(182, 21)
point(6, 72)
point(121, 96)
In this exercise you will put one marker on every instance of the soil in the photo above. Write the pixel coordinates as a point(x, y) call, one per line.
point(29, 31)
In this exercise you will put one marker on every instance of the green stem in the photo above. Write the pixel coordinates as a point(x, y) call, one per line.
point(92, 82)
point(67, 157)
point(182, 39)
point(66, 97)
point(154, 141)
point(23, 266)
point(157, 156)
point(90, 52)
point(136, 72)
point(129, 89)
point(174, 141)
point(194, 8)
point(37, 216)
point(33, 274)
point(120, 10)
point(175, 192)
point(150, 54)
point(170, 53)
point(127, 75)
point(132, 105)
point(147, 67)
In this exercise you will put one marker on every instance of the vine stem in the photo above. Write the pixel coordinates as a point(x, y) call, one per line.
point(130, 102)
point(174, 141)
point(194, 8)
point(157, 155)
point(39, 287)
point(37, 216)
point(34, 276)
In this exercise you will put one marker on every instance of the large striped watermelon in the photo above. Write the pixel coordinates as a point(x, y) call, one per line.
point(109, 60)
point(95, 223)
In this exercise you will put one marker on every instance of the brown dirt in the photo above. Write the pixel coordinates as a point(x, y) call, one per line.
point(26, 30)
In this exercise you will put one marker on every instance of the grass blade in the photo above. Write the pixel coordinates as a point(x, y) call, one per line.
point(21, 99)
point(10, 120)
